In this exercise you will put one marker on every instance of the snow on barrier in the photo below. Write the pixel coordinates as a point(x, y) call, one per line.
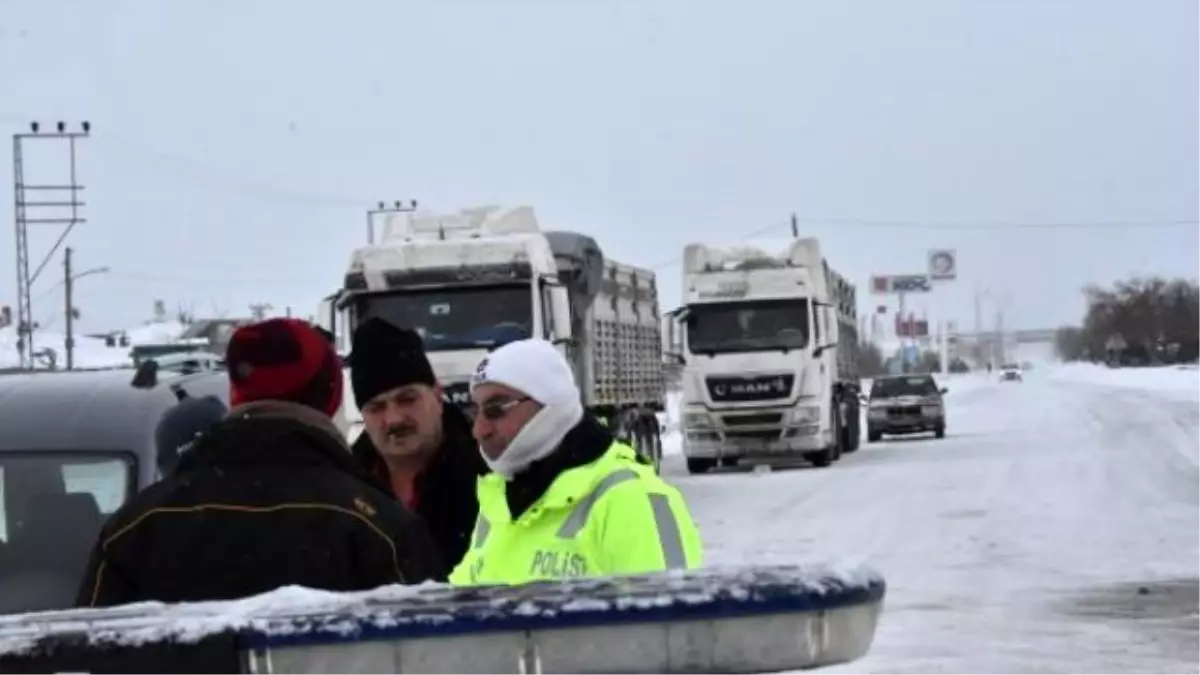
point(755, 619)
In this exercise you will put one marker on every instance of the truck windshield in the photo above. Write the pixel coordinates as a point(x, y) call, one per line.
point(889, 387)
point(457, 318)
point(52, 505)
point(761, 325)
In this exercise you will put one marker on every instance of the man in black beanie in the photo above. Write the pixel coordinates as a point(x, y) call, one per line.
point(416, 445)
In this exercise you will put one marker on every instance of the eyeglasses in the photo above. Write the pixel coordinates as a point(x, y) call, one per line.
point(494, 409)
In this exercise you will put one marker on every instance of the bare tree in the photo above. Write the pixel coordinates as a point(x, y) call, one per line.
point(1137, 320)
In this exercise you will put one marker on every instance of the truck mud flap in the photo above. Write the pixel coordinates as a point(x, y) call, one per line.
point(718, 621)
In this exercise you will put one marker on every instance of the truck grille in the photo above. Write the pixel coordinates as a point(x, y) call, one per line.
point(752, 420)
point(745, 389)
point(457, 393)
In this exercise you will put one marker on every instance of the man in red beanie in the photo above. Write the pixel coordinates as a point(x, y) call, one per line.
point(269, 497)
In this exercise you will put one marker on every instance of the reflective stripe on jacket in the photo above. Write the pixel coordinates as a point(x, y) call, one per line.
point(613, 516)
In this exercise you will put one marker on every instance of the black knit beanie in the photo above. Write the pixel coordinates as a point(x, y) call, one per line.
point(181, 425)
point(383, 357)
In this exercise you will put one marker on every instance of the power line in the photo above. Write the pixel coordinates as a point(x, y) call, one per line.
point(999, 225)
point(963, 226)
point(123, 147)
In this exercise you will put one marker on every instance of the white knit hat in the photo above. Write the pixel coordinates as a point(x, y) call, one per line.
point(532, 366)
point(536, 368)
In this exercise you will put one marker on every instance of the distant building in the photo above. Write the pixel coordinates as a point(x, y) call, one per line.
point(216, 331)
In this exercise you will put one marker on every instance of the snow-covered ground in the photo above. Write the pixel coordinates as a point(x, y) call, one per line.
point(89, 352)
point(1055, 529)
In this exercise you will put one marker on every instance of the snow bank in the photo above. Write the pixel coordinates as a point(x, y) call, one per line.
point(155, 332)
point(1177, 382)
point(89, 352)
point(293, 610)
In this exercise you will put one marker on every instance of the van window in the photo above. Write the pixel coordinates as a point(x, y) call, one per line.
point(52, 505)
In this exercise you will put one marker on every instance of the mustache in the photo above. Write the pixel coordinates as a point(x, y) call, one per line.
point(398, 431)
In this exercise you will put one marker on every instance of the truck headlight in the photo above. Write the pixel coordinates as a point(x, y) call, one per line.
point(807, 414)
point(877, 413)
point(931, 410)
point(694, 420)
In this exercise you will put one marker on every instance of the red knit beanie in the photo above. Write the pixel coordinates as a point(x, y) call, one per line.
point(284, 360)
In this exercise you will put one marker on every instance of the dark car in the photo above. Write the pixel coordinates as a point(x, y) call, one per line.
point(905, 404)
point(74, 446)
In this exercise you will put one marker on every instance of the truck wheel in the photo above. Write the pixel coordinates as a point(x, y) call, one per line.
point(873, 436)
point(940, 431)
point(833, 453)
point(853, 427)
point(822, 458)
point(700, 465)
point(652, 449)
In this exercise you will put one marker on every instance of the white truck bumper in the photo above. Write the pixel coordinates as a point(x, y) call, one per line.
point(779, 442)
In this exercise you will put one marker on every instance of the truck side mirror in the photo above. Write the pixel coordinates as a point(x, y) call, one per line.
point(944, 390)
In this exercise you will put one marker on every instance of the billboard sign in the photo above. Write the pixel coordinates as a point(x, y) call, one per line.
point(911, 327)
point(901, 283)
point(943, 264)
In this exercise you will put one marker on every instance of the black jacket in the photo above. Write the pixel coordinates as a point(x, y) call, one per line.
point(446, 497)
point(269, 497)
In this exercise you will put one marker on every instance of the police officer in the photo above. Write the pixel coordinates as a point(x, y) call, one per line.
point(564, 498)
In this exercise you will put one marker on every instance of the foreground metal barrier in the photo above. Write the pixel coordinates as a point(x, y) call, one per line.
point(756, 619)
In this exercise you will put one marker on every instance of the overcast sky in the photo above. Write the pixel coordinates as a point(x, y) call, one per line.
point(237, 144)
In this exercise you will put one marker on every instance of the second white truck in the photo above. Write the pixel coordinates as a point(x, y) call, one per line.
point(471, 281)
point(768, 346)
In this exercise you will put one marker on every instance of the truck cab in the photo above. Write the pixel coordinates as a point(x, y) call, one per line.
point(759, 338)
point(472, 281)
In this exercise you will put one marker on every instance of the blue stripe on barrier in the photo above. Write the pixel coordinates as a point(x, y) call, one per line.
point(520, 613)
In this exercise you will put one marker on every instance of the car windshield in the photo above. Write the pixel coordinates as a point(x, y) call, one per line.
point(51, 508)
point(457, 318)
point(889, 387)
point(747, 326)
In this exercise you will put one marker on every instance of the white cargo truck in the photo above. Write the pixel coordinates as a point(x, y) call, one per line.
point(471, 281)
point(768, 346)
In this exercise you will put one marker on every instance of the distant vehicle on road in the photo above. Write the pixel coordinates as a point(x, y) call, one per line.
point(1010, 372)
point(905, 404)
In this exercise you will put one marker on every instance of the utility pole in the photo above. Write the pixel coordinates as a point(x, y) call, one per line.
point(259, 310)
point(69, 309)
point(64, 210)
point(795, 227)
point(397, 206)
point(70, 312)
point(978, 326)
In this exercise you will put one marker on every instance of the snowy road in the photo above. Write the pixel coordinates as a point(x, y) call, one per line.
point(1055, 529)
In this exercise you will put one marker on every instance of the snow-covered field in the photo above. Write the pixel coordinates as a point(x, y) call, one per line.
point(89, 352)
point(1055, 529)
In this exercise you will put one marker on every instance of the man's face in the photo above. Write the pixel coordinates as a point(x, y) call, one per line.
point(405, 421)
point(499, 414)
